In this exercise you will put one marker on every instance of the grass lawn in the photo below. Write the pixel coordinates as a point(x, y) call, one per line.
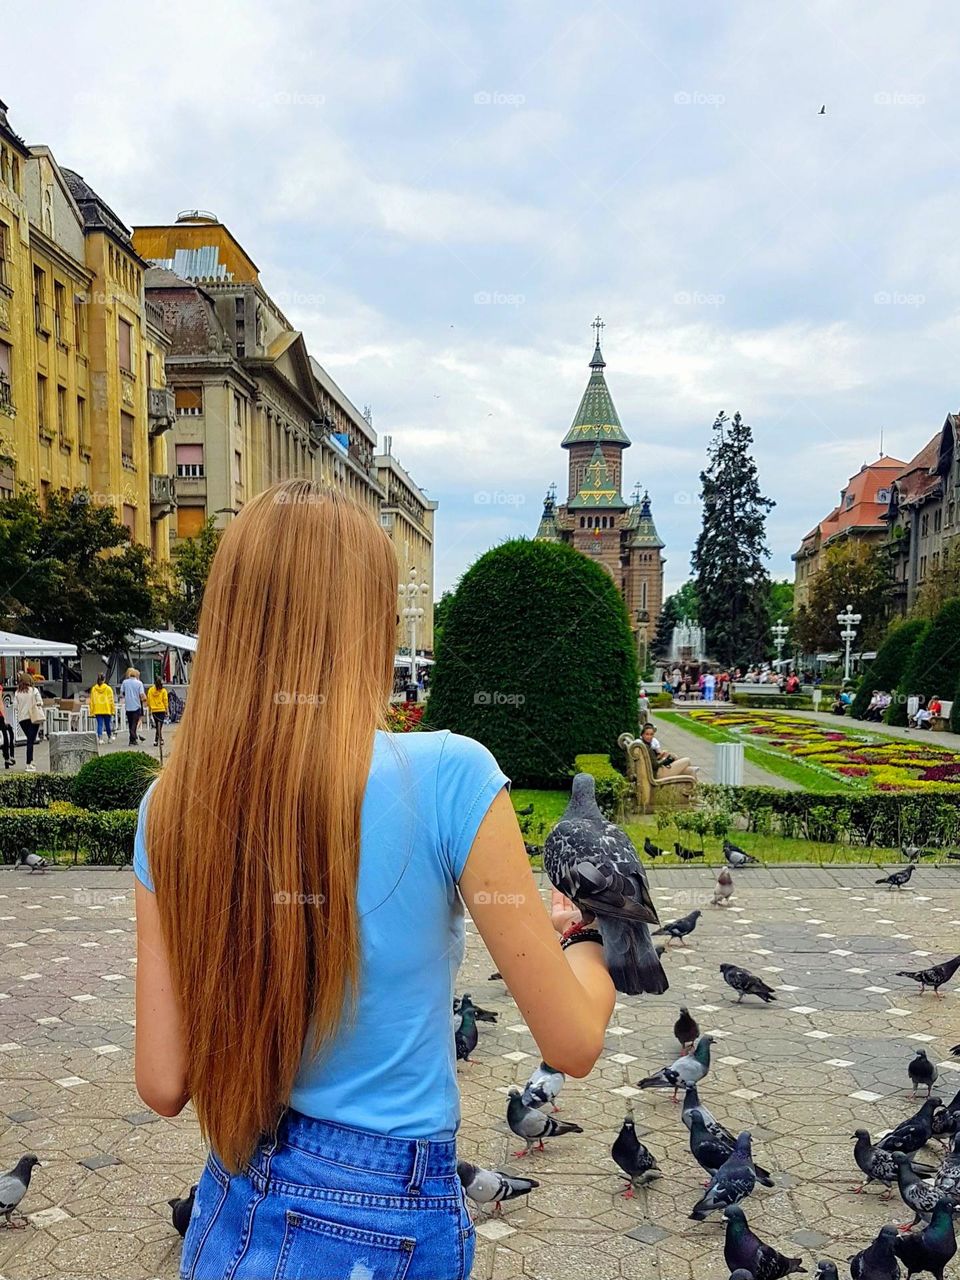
point(549, 805)
point(813, 780)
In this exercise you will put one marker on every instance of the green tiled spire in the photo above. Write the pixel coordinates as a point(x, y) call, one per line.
point(598, 489)
point(597, 418)
point(548, 530)
point(643, 532)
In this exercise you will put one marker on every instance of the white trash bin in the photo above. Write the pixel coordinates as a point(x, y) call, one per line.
point(729, 764)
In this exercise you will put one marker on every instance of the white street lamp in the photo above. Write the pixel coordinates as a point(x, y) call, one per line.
point(780, 632)
point(849, 621)
point(410, 593)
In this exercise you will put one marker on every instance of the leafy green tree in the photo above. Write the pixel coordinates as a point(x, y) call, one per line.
point(440, 611)
point(538, 661)
point(731, 578)
point(851, 573)
point(887, 669)
point(934, 664)
point(780, 602)
point(191, 561)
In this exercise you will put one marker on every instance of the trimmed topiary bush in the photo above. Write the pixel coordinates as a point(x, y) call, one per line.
point(778, 701)
point(538, 661)
point(889, 666)
point(612, 788)
point(117, 781)
point(34, 790)
point(934, 663)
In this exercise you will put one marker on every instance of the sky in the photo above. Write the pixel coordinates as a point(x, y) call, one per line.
point(442, 197)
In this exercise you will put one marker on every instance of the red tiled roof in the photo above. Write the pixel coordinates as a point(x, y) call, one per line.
point(918, 479)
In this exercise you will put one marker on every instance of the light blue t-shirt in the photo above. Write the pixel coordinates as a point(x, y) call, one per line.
point(133, 693)
point(391, 1069)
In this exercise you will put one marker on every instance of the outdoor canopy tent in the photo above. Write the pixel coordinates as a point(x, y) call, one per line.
point(169, 639)
point(14, 646)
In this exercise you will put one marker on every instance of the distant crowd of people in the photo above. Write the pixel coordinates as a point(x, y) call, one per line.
point(686, 682)
point(927, 709)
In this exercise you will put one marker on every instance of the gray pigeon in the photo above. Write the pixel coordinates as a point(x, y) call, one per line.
point(877, 1164)
point(898, 879)
point(877, 1261)
point(679, 929)
point(542, 1087)
point(181, 1210)
point(934, 977)
point(490, 1186)
point(914, 1132)
point(922, 1071)
point(741, 1248)
point(595, 865)
point(916, 1194)
point(733, 1181)
point(13, 1187)
point(747, 983)
point(33, 861)
point(827, 1271)
point(532, 1125)
point(723, 889)
point(737, 857)
point(686, 1071)
point(931, 1249)
point(638, 1164)
point(947, 1180)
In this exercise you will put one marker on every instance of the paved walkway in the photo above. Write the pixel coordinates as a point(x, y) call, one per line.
point(829, 1056)
point(121, 742)
point(680, 742)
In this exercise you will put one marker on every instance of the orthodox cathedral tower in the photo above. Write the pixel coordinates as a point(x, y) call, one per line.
point(596, 519)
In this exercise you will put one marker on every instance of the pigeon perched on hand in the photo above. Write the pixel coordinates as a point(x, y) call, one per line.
point(877, 1261)
point(723, 889)
point(877, 1164)
point(914, 1132)
point(922, 1071)
point(680, 929)
point(629, 1154)
point(490, 1186)
point(741, 1248)
point(916, 1194)
point(737, 857)
point(732, 1182)
point(33, 861)
point(930, 1249)
point(748, 984)
point(542, 1087)
point(898, 879)
point(685, 1029)
point(13, 1187)
point(594, 863)
point(935, 976)
point(532, 1125)
point(181, 1209)
point(688, 1070)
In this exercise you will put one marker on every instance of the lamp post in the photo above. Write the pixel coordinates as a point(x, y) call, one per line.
point(849, 621)
point(780, 631)
point(410, 593)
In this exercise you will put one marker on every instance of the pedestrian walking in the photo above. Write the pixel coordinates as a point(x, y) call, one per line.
point(102, 707)
point(134, 697)
point(6, 739)
point(158, 704)
point(29, 712)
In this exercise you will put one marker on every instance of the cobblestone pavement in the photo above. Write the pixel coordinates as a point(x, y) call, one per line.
point(802, 1074)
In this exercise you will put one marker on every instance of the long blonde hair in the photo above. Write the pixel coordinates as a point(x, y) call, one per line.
point(253, 828)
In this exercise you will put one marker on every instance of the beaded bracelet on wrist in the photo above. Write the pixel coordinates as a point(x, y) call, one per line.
point(582, 935)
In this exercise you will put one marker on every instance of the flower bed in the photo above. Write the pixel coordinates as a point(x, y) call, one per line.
point(881, 764)
point(404, 717)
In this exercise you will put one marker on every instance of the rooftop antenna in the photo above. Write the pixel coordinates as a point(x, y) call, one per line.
point(881, 442)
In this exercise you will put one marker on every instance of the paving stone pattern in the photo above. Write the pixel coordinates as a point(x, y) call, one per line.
point(802, 1074)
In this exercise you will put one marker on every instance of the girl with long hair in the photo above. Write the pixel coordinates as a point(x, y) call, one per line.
point(301, 879)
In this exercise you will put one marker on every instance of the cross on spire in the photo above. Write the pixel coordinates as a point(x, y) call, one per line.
point(599, 326)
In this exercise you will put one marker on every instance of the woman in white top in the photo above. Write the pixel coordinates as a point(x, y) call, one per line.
point(28, 707)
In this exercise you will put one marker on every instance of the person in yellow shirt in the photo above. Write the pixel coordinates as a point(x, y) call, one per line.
point(158, 704)
point(102, 707)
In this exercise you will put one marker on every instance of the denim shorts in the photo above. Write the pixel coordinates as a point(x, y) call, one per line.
point(324, 1202)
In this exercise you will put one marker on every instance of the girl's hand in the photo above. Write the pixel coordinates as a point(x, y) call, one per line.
point(563, 912)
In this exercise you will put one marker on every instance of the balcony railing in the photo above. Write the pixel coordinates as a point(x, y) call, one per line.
point(161, 409)
point(163, 494)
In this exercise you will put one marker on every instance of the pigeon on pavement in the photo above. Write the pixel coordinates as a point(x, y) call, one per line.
point(543, 1087)
point(685, 1029)
point(741, 1248)
point(922, 1071)
point(930, 1249)
point(732, 1182)
point(827, 1271)
point(13, 1187)
point(711, 1147)
point(935, 976)
point(466, 1035)
point(737, 857)
point(688, 1070)
point(913, 1133)
point(916, 1194)
point(594, 864)
point(748, 984)
point(490, 1186)
point(481, 1015)
point(947, 1180)
point(956, 1050)
point(629, 1154)
point(877, 1164)
point(680, 929)
point(32, 860)
point(723, 889)
point(899, 878)
point(181, 1208)
point(532, 1125)
point(877, 1261)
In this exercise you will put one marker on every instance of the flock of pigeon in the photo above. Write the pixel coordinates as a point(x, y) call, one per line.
point(593, 863)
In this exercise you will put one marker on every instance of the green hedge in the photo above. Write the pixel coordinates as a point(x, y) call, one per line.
point(538, 661)
point(612, 787)
point(116, 781)
point(105, 837)
point(887, 819)
point(934, 663)
point(888, 667)
point(660, 699)
point(34, 790)
point(786, 701)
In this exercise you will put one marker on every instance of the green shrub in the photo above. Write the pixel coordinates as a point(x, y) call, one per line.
point(34, 790)
point(786, 701)
point(105, 837)
point(887, 669)
point(612, 787)
point(116, 781)
point(933, 665)
point(660, 699)
point(538, 661)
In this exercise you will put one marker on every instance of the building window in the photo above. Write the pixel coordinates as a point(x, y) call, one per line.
point(58, 297)
point(126, 438)
point(62, 416)
point(935, 561)
point(42, 406)
point(190, 520)
point(149, 368)
point(938, 520)
point(39, 297)
point(237, 412)
point(923, 569)
point(128, 518)
point(237, 467)
point(190, 461)
point(126, 346)
point(82, 440)
point(189, 401)
point(79, 322)
point(924, 524)
point(6, 383)
point(849, 500)
point(883, 495)
point(4, 251)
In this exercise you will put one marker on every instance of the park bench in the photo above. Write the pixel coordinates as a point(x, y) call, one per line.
point(651, 793)
point(942, 721)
